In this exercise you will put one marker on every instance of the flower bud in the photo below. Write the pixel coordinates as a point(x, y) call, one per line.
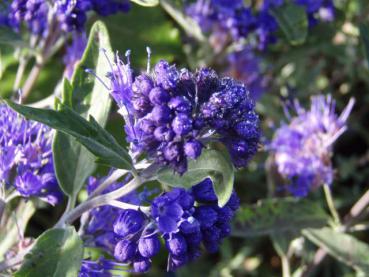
point(180, 104)
point(141, 265)
point(176, 245)
point(161, 114)
point(193, 149)
point(124, 251)
point(206, 215)
point(182, 124)
point(149, 246)
point(129, 222)
point(158, 96)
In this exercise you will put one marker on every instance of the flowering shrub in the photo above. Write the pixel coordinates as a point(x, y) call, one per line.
point(108, 168)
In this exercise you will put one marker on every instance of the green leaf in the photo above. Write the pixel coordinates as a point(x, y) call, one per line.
point(293, 21)
point(343, 247)
point(282, 215)
point(146, 3)
point(189, 25)
point(9, 37)
point(89, 133)
point(364, 35)
point(57, 252)
point(86, 95)
point(13, 222)
point(211, 164)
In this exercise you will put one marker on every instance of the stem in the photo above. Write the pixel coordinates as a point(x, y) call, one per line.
point(285, 266)
point(330, 203)
point(31, 80)
point(111, 179)
point(9, 263)
point(100, 200)
point(20, 72)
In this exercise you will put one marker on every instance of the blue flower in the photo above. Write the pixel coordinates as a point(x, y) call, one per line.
point(171, 113)
point(25, 148)
point(302, 149)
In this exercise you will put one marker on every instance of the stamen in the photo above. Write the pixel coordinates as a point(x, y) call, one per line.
point(90, 71)
point(148, 50)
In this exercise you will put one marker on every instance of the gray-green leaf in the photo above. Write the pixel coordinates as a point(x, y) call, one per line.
point(211, 164)
point(343, 247)
point(273, 216)
point(57, 252)
point(89, 133)
point(293, 21)
point(146, 3)
point(87, 96)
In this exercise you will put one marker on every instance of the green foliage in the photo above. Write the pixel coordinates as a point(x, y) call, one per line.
point(87, 96)
point(9, 37)
point(293, 22)
point(89, 133)
point(146, 3)
point(57, 252)
point(213, 164)
point(280, 215)
point(343, 247)
point(10, 229)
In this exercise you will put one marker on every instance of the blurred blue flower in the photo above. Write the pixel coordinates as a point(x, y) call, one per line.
point(302, 149)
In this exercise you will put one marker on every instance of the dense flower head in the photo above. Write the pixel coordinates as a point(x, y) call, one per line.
point(239, 20)
point(43, 17)
point(26, 162)
point(171, 114)
point(302, 149)
point(183, 219)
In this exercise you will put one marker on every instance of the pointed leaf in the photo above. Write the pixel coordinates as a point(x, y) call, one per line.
point(211, 164)
point(86, 95)
point(343, 247)
point(272, 216)
point(57, 252)
point(293, 21)
point(89, 133)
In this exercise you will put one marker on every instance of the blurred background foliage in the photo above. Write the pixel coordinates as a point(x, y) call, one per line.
point(332, 60)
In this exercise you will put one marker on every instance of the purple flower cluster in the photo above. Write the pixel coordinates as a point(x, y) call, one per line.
point(183, 219)
point(26, 161)
point(243, 65)
point(171, 114)
point(302, 149)
point(65, 15)
point(239, 20)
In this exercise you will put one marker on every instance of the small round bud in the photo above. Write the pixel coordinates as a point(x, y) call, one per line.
point(142, 85)
point(141, 265)
point(129, 222)
point(176, 245)
point(172, 151)
point(180, 104)
point(193, 149)
point(206, 215)
point(182, 124)
point(158, 96)
point(149, 247)
point(124, 250)
point(204, 191)
point(163, 133)
point(161, 114)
